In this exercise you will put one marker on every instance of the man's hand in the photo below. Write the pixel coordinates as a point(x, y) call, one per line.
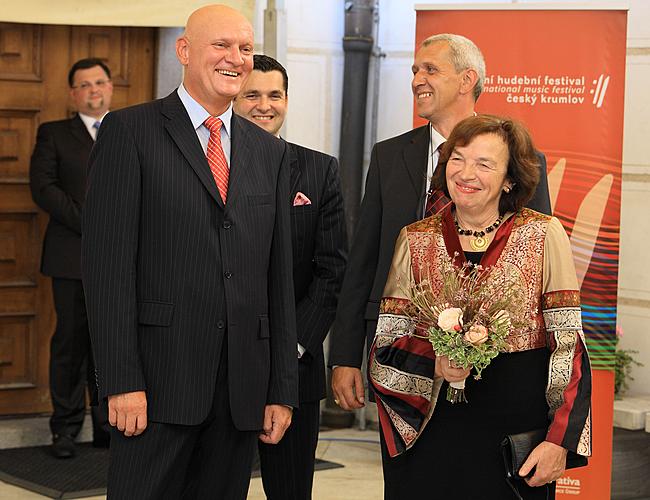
point(277, 419)
point(128, 412)
point(347, 386)
point(549, 461)
point(449, 371)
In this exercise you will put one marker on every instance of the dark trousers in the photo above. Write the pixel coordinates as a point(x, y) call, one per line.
point(288, 467)
point(71, 363)
point(207, 461)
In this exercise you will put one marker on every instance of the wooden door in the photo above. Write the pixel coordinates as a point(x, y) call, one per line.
point(34, 63)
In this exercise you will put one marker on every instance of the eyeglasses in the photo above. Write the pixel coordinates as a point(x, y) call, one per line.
point(87, 85)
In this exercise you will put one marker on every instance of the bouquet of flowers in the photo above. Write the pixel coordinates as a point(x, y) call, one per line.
point(468, 318)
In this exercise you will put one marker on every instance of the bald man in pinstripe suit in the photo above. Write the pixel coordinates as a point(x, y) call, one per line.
point(319, 254)
point(190, 304)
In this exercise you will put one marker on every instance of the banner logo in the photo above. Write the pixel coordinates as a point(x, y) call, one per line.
point(599, 92)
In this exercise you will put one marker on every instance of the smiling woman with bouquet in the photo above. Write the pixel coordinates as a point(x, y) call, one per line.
point(479, 334)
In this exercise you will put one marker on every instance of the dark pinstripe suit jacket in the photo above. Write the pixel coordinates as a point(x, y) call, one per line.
point(319, 254)
point(58, 182)
point(168, 270)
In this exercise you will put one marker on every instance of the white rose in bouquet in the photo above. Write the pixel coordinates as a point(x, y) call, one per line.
point(451, 319)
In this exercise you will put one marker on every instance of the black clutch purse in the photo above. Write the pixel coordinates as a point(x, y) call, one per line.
point(516, 448)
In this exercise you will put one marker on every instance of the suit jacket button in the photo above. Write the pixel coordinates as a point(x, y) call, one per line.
point(228, 275)
point(227, 224)
point(220, 325)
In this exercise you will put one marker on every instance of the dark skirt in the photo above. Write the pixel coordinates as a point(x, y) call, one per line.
point(458, 454)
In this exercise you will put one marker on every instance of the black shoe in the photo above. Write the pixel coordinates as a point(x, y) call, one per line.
point(63, 446)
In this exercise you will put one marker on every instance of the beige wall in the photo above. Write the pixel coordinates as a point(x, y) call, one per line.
point(315, 66)
point(634, 277)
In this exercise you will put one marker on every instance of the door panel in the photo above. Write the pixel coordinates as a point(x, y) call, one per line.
point(17, 130)
point(34, 64)
point(20, 52)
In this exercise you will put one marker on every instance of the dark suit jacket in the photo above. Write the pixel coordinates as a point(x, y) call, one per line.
point(394, 198)
point(58, 182)
point(169, 271)
point(319, 255)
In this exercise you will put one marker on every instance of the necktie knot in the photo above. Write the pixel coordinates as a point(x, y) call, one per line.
point(97, 124)
point(438, 149)
point(213, 124)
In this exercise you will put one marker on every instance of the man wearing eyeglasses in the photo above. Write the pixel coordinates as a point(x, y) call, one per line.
point(58, 183)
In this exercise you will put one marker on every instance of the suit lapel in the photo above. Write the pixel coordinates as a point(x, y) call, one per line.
point(240, 157)
point(416, 157)
point(296, 172)
point(180, 129)
point(79, 131)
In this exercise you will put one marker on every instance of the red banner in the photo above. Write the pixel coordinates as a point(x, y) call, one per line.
point(562, 72)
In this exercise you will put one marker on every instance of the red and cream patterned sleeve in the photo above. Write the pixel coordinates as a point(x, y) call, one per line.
point(405, 387)
point(569, 377)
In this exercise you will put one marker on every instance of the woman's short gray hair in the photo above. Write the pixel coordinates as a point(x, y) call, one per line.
point(464, 54)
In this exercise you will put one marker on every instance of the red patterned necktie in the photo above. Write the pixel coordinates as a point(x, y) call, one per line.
point(216, 157)
point(437, 201)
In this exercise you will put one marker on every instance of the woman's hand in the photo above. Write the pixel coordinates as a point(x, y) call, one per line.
point(549, 461)
point(449, 371)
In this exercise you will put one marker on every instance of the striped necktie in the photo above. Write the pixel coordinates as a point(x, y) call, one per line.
point(96, 126)
point(216, 157)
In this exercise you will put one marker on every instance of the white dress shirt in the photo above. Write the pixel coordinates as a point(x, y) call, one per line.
point(89, 122)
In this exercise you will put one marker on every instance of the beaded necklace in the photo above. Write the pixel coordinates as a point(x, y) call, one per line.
point(478, 242)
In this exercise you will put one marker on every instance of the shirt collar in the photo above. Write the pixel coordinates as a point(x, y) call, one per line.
point(198, 114)
point(89, 121)
point(436, 138)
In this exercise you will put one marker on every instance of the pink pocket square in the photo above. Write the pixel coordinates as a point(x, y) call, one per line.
point(301, 200)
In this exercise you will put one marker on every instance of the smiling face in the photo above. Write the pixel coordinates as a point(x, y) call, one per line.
point(436, 85)
point(476, 175)
point(91, 91)
point(263, 100)
point(217, 53)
